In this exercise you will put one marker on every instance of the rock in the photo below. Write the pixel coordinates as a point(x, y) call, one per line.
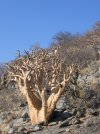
point(86, 93)
point(61, 104)
point(67, 107)
point(88, 123)
point(64, 124)
point(52, 123)
point(61, 131)
point(92, 103)
point(98, 99)
point(66, 114)
point(22, 130)
point(37, 128)
point(90, 111)
point(89, 93)
point(80, 113)
point(67, 130)
point(74, 121)
point(23, 104)
point(11, 131)
point(1, 120)
point(74, 111)
point(18, 122)
point(94, 121)
point(25, 116)
point(77, 126)
point(97, 74)
point(3, 116)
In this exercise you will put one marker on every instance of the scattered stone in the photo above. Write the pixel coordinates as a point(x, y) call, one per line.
point(67, 130)
point(93, 103)
point(22, 130)
point(61, 131)
point(74, 121)
point(97, 74)
point(66, 114)
point(79, 113)
point(52, 123)
point(18, 122)
point(88, 123)
point(11, 131)
point(90, 111)
point(37, 128)
point(64, 124)
point(61, 104)
point(94, 121)
point(23, 104)
point(89, 93)
point(1, 120)
point(74, 111)
point(25, 116)
point(77, 126)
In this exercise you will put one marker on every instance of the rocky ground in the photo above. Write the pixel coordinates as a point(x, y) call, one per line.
point(78, 115)
point(76, 121)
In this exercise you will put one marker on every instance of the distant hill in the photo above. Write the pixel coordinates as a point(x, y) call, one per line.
point(1, 68)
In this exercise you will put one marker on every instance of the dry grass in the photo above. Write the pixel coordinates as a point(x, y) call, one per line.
point(10, 99)
point(85, 71)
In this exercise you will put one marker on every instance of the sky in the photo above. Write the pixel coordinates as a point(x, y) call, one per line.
point(24, 23)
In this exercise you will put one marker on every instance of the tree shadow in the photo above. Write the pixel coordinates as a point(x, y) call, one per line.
point(60, 116)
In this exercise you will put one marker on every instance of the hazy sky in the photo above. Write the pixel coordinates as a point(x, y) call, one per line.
point(25, 22)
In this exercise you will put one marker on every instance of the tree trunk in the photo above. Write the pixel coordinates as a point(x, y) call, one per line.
point(52, 101)
point(42, 110)
point(37, 110)
point(37, 115)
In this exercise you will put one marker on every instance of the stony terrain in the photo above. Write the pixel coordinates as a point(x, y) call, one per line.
point(73, 115)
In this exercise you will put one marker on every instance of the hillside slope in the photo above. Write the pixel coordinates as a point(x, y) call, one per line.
point(72, 115)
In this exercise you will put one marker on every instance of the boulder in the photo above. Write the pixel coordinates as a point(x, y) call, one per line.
point(22, 130)
point(25, 115)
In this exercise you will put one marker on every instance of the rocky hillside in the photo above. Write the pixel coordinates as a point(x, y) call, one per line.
point(74, 114)
point(1, 68)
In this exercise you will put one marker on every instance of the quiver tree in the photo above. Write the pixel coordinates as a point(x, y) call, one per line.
point(41, 77)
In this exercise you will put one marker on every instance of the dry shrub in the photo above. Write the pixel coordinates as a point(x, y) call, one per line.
point(10, 99)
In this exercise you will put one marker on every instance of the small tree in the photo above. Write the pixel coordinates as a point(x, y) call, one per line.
point(41, 77)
